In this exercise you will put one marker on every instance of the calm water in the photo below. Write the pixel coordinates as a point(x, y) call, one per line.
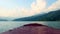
point(7, 25)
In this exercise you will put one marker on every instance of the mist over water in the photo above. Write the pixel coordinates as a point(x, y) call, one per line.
point(7, 25)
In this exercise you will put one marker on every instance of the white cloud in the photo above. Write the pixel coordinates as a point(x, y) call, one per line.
point(37, 7)
point(54, 6)
point(7, 12)
point(16, 11)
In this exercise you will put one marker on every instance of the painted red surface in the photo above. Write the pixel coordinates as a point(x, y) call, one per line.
point(33, 29)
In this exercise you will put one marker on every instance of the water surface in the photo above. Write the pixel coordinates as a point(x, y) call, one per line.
point(7, 25)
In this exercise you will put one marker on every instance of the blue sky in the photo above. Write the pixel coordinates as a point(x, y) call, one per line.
point(49, 2)
point(26, 3)
point(22, 3)
point(21, 8)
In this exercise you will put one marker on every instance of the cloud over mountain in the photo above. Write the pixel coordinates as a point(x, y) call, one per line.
point(54, 6)
point(36, 7)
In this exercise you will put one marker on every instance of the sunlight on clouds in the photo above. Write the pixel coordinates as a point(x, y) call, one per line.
point(54, 6)
point(37, 7)
point(6, 12)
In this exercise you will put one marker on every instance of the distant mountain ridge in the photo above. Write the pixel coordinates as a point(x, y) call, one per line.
point(2, 19)
point(51, 16)
point(6, 18)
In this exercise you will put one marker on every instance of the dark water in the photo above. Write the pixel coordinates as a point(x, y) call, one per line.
point(7, 25)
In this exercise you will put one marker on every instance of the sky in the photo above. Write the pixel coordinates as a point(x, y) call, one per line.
point(24, 8)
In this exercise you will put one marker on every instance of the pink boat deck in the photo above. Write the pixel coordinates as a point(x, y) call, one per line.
point(33, 29)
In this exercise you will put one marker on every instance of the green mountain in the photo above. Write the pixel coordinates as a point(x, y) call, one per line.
point(50, 16)
point(3, 19)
